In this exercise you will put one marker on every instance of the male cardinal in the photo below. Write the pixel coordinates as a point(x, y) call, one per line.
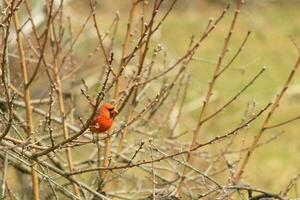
point(104, 120)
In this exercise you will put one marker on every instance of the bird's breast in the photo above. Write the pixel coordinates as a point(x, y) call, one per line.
point(101, 124)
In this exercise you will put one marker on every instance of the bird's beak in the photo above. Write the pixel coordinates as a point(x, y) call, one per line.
point(115, 112)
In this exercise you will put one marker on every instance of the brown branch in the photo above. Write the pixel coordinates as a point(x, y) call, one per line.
point(196, 132)
point(43, 47)
point(93, 7)
point(275, 105)
point(99, 98)
point(234, 97)
point(30, 130)
point(212, 141)
point(61, 104)
point(125, 43)
point(283, 123)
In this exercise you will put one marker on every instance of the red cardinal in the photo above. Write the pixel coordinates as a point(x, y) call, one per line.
point(104, 120)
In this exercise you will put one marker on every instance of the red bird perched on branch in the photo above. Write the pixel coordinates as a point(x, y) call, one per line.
point(104, 120)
